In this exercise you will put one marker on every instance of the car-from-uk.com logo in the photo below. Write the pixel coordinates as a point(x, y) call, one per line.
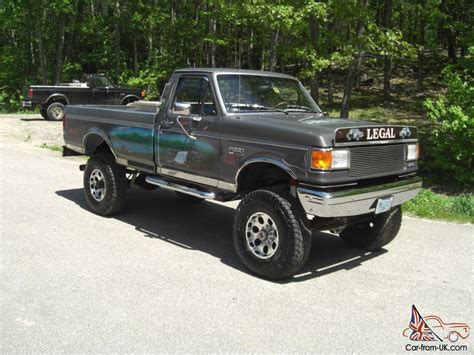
point(431, 333)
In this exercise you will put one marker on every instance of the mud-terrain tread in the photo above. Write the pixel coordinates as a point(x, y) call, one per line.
point(44, 112)
point(116, 185)
point(386, 227)
point(286, 262)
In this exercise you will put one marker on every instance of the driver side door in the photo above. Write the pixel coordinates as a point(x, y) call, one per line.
point(189, 132)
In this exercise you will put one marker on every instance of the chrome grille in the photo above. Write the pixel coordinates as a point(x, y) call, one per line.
point(377, 160)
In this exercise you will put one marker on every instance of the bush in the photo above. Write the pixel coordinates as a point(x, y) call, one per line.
point(451, 208)
point(451, 147)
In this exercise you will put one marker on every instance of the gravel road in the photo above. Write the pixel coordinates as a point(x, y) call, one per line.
point(163, 276)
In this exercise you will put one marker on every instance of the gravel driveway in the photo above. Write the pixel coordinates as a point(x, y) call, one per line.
point(32, 128)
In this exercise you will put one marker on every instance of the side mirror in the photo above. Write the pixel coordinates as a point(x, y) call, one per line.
point(182, 109)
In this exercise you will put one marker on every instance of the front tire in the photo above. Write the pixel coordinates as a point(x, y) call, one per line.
point(55, 111)
point(44, 112)
point(375, 233)
point(105, 185)
point(269, 236)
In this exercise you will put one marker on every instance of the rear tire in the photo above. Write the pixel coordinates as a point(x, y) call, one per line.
point(269, 236)
point(44, 113)
point(105, 185)
point(55, 111)
point(376, 233)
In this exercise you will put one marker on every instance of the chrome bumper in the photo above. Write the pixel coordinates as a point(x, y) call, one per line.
point(355, 201)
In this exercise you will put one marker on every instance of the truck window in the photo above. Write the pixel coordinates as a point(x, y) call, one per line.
point(101, 82)
point(197, 93)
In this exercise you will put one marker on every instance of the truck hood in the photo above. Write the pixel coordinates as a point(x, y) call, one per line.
point(324, 131)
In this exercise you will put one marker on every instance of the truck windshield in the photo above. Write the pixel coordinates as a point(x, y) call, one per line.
point(249, 93)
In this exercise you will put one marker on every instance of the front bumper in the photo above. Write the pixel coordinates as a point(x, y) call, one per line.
point(355, 201)
point(26, 103)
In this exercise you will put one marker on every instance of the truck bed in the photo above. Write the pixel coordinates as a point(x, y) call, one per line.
point(128, 130)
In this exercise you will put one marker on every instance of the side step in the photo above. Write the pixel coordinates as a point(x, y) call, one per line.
point(174, 186)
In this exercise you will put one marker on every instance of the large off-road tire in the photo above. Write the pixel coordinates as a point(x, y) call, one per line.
point(375, 233)
point(105, 185)
point(189, 198)
point(44, 113)
point(55, 111)
point(269, 236)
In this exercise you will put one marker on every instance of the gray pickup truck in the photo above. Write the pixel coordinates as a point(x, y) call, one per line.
point(226, 134)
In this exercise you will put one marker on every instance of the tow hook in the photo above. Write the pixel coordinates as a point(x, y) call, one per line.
point(82, 167)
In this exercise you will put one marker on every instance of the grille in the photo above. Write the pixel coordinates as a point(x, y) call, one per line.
point(377, 160)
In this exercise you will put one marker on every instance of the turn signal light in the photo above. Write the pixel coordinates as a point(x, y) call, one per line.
point(321, 159)
point(142, 93)
point(327, 159)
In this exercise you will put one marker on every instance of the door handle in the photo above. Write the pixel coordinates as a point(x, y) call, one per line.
point(166, 123)
point(192, 119)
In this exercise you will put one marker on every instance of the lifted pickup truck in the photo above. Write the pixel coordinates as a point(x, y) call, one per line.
point(228, 134)
point(97, 89)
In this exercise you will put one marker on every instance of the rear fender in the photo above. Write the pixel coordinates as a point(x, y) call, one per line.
point(57, 97)
point(94, 139)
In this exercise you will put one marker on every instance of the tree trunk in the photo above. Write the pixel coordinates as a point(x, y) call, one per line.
point(117, 41)
point(451, 45)
point(59, 49)
point(314, 29)
point(353, 68)
point(349, 82)
point(387, 67)
point(213, 44)
point(135, 56)
point(421, 56)
point(273, 49)
point(41, 50)
point(250, 50)
point(314, 89)
point(330, 87)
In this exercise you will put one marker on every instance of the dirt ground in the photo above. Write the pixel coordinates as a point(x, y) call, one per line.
point(34, 129)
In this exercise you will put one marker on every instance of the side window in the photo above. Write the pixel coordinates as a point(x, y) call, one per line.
point(195, 92)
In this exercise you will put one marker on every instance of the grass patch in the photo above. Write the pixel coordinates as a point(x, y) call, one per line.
point(437, 206)
point(53, 147)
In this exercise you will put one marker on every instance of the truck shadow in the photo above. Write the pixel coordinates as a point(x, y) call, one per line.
point(207, 227)
point(35, 119)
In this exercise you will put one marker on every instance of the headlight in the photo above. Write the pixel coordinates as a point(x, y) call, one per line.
point(329, 159)
point(413, 152)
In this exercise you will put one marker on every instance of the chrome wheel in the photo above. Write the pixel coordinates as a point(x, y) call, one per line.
point(97, 185)
point(56, 111)
point(262, 235)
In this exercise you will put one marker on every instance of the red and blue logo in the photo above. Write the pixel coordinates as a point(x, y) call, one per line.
point(433, 328)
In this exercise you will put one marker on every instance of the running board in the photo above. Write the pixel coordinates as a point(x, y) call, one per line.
point(174, 186)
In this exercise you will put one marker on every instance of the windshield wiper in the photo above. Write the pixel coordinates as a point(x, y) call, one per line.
point(258, 107)
point(300, 107)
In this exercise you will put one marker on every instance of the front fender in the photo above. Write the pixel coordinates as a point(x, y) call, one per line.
point(279, 162)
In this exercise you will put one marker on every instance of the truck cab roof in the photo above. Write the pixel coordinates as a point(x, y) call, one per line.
point(234, 71)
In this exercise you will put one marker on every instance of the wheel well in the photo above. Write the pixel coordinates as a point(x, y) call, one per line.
point(95, 144)
point(130, 99)
point(60, 99)
point(257, 175)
